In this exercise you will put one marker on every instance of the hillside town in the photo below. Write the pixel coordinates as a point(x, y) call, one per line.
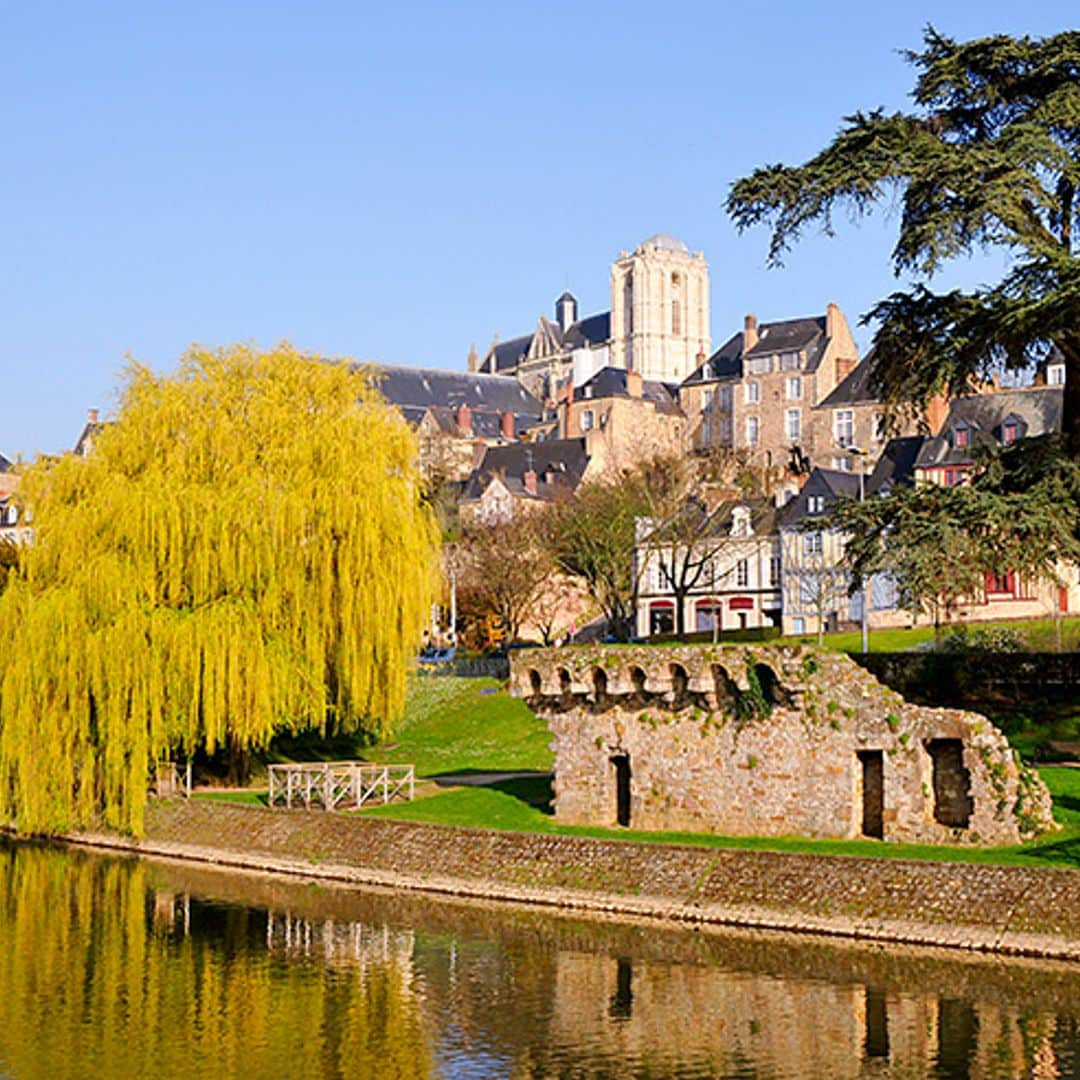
point(773, 428)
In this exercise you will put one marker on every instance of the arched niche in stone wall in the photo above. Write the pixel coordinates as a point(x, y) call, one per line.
point(725, 689)
point(680, 685)
point(536, 682)
point(639, 681)
point(600, 684)
point(771, 687)
point(565, 687)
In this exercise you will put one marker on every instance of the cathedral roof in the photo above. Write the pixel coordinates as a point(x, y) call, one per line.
point(668, 243)
point(415, 390)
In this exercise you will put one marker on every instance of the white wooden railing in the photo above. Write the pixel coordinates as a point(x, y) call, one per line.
point(334, 784)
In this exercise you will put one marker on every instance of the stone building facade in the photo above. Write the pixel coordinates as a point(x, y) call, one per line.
point(769, 741)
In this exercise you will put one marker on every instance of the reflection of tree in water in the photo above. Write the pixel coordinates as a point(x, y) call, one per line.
point(119, 969)
point(101, 980)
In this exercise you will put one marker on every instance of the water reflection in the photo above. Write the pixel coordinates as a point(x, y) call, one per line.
point(116, 967)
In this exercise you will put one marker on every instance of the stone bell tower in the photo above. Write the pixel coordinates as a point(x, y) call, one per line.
point(660, 309)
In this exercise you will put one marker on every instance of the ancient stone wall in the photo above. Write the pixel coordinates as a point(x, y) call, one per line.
point(769, 740)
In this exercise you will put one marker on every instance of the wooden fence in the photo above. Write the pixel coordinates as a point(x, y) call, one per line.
point(334, 784)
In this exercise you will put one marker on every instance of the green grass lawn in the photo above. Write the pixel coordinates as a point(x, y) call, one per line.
point(1040, 635)
point(515, 808)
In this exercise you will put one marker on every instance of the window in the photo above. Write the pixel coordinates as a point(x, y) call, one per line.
point(798, 625)
point(813, 543)
point(723, 399)
point(759, 365)
point(725, 429)
point(740, 522)
point(752, 393)
point(751, 431)
point(841, 464)
point(1055, 375)
point(706, 432)
point(793, 425)
point(845, 427)
point(789, 361)
point(794, 387)
point(960, 436)
point(588, 419)
point(707, 400)
point(879, 427)
point(774, 570)
point(815, 504)
point(676, 317)
point(742, 574)
point(1009, 431)
point(1001, 581)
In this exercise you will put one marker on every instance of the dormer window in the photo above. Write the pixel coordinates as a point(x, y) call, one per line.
point(961, 435)
point(815, 504)
point(1055, 375)
point(740, 522)
point(1009, 431)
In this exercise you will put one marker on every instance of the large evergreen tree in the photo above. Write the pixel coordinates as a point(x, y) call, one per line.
point(988, 158)
point(245, 550)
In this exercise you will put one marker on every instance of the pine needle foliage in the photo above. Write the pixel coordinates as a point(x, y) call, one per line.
point(243, 552)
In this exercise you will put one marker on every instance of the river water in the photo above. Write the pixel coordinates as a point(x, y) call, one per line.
point(118, 967)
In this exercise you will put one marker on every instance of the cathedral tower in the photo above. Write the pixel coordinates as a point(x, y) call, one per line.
point(660, 309)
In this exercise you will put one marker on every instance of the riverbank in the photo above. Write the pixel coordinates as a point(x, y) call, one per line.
point(997, 909)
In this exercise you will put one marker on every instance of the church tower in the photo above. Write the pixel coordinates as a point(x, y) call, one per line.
point(660, 309)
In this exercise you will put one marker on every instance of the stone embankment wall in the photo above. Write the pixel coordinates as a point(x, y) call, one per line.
point(1003, 909)
point(769, 741)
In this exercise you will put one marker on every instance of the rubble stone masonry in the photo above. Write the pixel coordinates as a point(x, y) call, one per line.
point(770, 741)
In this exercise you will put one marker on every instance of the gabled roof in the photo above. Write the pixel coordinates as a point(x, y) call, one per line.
point(611, 382)
point(854, 389)
point(1038, 409)
point(830, 484)
point(508, 355)
point(415, 390)
point(559, 465)
point(788, 335)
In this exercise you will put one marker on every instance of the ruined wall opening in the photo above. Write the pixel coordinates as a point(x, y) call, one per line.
point(637, 680)
point(680, 684)
point(771, 689)
point(876, 1043)
point(621, 1005)
point(873, 793)
point(564, 685)
point(725, 688)
point(535, 682)
point(953, 804)
point(599, 681)
point(621, 764)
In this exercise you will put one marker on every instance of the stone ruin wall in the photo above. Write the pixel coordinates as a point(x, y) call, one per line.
point(769, 741)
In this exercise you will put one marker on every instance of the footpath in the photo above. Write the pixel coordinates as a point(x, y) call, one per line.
point(999, 909)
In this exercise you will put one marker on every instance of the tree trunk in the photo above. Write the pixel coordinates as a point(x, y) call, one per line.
point(680, 616)
point(1070, 406)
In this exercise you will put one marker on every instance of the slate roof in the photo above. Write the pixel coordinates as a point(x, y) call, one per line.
point(592, 330)
point(896, 464)
point(854, 389)
point(416, 390)
point(1037, 411)
point(5, 465)
point(610, 382)
point(763, 515)
point(788, 335)
point(559, 465)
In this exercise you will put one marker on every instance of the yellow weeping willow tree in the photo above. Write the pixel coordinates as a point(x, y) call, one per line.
point(243, 551)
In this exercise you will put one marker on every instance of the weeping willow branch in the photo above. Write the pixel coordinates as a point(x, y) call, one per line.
point(245, 551)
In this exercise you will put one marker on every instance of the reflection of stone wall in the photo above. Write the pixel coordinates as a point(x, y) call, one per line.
point(770, 740)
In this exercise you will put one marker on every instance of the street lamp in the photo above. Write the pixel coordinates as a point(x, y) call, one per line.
point(858, 452)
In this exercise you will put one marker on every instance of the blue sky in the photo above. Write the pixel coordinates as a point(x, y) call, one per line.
point(395, 182)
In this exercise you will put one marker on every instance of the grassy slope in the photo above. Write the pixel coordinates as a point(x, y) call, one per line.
point(471, 725)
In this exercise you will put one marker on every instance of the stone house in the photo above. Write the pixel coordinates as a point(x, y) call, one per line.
point(986, 420)
point(10, 528)
point(734, 566)
point(625, 420)
point(769, 741)
point(756, 393)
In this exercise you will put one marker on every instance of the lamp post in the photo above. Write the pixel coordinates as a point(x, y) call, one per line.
point(864, 610)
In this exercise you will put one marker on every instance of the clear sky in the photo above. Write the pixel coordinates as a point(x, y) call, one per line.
point(397, 181)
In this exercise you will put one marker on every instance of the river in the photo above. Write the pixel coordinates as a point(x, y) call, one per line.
point(121, 967)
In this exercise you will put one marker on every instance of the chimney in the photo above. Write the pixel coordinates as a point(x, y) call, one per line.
point(832, 320)
point(633, 383)
point(92, 415)
point(464, 418)
point(530, 481)
point(507, 421)
point(474, 359)
point(937, 409)
point(750, 334)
